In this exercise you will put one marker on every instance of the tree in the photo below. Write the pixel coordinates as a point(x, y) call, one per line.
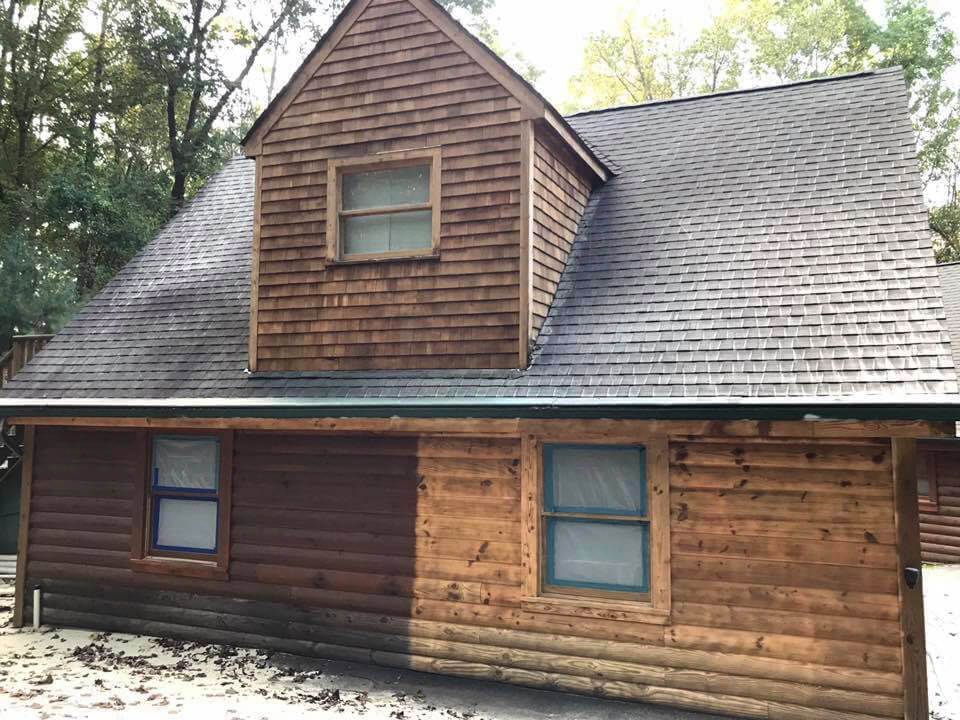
point(179, 48)
point(945, 221)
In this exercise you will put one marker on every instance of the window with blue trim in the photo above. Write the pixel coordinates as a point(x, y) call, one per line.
point(595, 520)
point(185, 495)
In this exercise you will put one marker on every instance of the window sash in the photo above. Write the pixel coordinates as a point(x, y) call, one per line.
point(156, 493)
point(549, 494)
point(155, 524)
point(424, 197)
point(551, 580)
point(551, 513)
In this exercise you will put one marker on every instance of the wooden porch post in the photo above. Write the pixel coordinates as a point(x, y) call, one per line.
point(26, 485)
point(912, 638)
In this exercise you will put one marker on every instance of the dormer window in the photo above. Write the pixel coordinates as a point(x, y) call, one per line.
point(387, 207)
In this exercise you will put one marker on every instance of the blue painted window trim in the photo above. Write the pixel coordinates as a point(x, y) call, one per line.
point(175, 548)
point(551, 522)
point(551, 579)
point(548, 494)
point(164, 492)
point(155, 475)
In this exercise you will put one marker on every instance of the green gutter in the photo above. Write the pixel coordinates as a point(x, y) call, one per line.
point(931, 408)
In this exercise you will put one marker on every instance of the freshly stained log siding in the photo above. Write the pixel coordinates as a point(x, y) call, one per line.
point(405, 551)
point(939, 462)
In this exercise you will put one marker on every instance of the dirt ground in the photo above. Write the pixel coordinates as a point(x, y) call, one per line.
point(58, 674)
point(941, 604)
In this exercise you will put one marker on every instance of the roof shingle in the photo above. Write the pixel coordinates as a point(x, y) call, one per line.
point(770, 243)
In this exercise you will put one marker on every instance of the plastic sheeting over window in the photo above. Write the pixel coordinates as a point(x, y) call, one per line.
point(602, 555)
point(596, 479)
point(188, 525)
point(186, 463)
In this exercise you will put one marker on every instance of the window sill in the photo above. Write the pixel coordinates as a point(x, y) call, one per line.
point(185, 568)
point(378, 259)
point(595, 608)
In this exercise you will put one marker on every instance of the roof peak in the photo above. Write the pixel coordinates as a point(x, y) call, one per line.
point(741, 91)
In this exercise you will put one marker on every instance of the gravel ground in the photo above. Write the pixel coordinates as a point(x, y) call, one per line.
point(64, 674)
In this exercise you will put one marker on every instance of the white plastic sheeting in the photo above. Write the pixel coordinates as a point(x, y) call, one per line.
point(599, 553)
point(604, 479)
point(187, 463)
point(187, 524)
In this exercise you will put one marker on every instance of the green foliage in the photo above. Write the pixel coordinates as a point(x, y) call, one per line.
point(788, 40)
point(36, 285)
point(945, 221)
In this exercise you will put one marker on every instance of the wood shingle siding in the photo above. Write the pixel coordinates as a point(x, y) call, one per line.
point(393, 82)
point(404, 550)
point(560, 194)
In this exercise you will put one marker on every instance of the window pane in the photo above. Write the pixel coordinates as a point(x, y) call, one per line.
point(385, 188)
point(596, 479)
point(186, 524)
point(612, 556)
point(387, 233)
point(186, 463)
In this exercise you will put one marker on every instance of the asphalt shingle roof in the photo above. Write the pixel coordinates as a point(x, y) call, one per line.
point(761, 244)
point(950, 285)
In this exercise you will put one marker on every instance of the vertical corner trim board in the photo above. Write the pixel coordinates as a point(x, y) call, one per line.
point(417, 548)
point(912, 631)
point(26, 488)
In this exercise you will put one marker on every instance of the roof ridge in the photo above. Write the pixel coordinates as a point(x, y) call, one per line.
point(741, 91)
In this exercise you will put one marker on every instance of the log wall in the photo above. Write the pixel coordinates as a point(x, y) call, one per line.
point(395, 81)
point(939, 461)
point(405, 551)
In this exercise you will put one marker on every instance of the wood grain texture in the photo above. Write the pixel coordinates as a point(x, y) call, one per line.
point(394, 81)
point(559, 194)
point(407, 549)
point(939, 462)
point(912, 638)
point(23, 536)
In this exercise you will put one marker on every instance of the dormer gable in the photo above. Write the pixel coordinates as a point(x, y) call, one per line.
point(415, 201)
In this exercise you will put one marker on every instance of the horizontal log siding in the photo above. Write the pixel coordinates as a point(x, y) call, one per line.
point(560, 194)
point(394, 82)
point(404, 551)
point(940, 524)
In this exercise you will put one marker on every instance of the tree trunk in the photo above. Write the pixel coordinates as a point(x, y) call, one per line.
point(178, 191)
point(97, 85)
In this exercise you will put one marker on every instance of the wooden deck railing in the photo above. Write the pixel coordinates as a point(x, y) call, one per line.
point(24, 348)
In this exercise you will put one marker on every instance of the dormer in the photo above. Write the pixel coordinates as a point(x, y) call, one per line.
point(416, 201)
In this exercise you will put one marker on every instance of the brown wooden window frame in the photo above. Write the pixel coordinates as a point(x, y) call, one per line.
point(338, 167)
point(539, 597)
point(144, 556)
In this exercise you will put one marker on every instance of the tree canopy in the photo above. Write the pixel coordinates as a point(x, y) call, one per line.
point(756, 41)
point(113, 112)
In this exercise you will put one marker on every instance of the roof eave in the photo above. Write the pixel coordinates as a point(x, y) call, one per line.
point(929, 408)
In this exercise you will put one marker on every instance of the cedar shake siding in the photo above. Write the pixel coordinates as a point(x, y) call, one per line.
point(394, 82)
point(406, 551)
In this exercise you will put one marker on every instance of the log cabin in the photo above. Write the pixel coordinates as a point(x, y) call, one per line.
point(625, 403)
point(938, 468)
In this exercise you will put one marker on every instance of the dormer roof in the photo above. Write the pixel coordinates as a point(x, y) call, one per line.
point(534, 105)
